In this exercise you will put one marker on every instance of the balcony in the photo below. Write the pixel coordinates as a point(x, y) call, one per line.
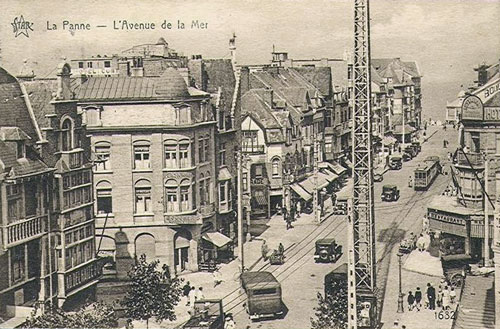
point(82, 275)
point(73, 158)
point(254, 149)
point(476, 159)
point(25, 230)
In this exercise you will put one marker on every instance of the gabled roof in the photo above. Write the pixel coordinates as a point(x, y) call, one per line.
point(253, 104)
point(477, 304)
point(13, 109)
point(13, 134)
point(320, 77)
point(220, 74)
point(40, 95)
point(19, 167)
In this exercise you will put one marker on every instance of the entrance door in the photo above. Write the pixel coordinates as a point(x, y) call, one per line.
point(181, 259)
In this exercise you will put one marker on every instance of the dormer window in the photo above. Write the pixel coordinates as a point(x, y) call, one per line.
point(67, 135)
point(21, 149)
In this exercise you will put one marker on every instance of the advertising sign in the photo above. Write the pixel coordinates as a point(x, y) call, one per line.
point(472, 108)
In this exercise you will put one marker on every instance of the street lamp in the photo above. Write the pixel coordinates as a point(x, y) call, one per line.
point(400, 296)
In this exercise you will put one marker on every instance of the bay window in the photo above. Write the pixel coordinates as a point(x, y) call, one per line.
point(177, 154)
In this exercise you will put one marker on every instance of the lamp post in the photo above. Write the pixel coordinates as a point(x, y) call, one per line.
point(400, 296)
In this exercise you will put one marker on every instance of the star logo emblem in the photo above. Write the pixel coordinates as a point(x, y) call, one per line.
point(21, 26)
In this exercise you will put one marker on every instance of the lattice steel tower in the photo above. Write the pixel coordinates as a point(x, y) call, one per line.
point(361, 258)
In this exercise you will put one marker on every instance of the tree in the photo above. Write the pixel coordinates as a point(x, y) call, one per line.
point(97, 315)
point(152, 293)
point(331, 312)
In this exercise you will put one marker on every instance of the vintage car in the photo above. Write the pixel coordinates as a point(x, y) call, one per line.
point(408, 245)
point(263, 295)
point(390, 193)
point(455, 267)
point(276, 258)
point(416, 146)
point(408, 153)
point(327, 251)
point(395, 162)
point(208, 314)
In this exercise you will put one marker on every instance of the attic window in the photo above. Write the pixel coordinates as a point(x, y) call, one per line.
point(21, 150)
point(107, 64)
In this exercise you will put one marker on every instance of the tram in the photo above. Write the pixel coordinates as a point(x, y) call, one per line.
point(426, 172)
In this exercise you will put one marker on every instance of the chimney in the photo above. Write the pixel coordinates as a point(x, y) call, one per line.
point(268, 97)
point(244, 79)
point(232, 49)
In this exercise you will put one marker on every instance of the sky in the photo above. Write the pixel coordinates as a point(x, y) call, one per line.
point(447, 38)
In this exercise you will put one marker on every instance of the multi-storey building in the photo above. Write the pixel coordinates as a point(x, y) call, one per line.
point(461, 217)
point(48, 245)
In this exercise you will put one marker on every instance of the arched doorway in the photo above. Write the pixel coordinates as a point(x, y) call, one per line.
point(145, 244)
point(181, 249)
point(106, 252)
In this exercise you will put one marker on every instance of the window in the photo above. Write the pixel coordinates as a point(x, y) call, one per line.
point(208, 189)
point(201, 153)
point(171, 154)
point(89, 65)
point(201, 184)
point(21, 149)
point(184, 157)
point(104, 198)
point(17, 263)
point(103, 156)
point(222, 192)
point(475, 145)
point(258, 171)
point(171, 196)
point(221, 120)
point(67, 135)
point(14, 209)
point(222, 154)
point(80, 65)
point(185, 187)
point(142, 197)
point(141, 156)
point(276, 167)
point(107, 64)
point(249, 139)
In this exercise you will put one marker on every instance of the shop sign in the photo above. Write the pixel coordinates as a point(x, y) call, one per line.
point(472, 108)
point(492, 114)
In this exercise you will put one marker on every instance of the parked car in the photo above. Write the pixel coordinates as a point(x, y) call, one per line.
point(390, 193)
point(208, 314)
point(455, 267)
point(408, 153)
point(416, 146)
point(263, 295)
point(327, 251)
point(395, 162)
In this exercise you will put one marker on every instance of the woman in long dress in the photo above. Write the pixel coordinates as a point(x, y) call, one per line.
point(446, 298)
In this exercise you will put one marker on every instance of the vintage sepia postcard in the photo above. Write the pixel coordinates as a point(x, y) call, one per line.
point(285, 164)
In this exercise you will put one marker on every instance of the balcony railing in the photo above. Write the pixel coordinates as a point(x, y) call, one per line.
point(26, 229)
point(476, 159)
point(73, 158)
point(82, 275)
point(253, 148)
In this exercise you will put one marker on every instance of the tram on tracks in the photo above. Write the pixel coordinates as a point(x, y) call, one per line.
point(426, 172)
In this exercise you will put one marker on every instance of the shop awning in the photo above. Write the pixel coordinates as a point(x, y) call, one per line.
point(301, 192)
point(389, 140)
point(224, 174)
point(217, 239)
point(310, 183)
point(337, 168)
point(398, 129)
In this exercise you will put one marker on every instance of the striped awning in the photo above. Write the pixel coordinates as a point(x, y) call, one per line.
point(216, 238)
point(301, 192)
point(260, 200)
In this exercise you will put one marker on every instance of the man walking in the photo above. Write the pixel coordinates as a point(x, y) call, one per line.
point(431, 295)
point(264, 250)
point(410, 300)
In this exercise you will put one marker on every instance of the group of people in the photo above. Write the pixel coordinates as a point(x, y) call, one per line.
point(265, 250)
point(192, 294)
point(443, 298)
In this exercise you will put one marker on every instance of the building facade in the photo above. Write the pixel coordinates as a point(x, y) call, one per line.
point(461, 216)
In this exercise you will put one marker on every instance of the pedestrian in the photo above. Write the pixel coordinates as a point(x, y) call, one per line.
point(431, 295)
point(281, 249)
point(403, 327)
point(446, 299)
point(396, 325)
point(217, 277)
point(439, 297)
point(410, 181)
point(199, 294)
point(453, 295)
point(421, 243)
point(285, 213)
point(289, 223)
point(186, 288)
point(411, 301)
point(192, 297)
point(229, 322)
point(418, 299)
point(299, 208)
point(264, 249)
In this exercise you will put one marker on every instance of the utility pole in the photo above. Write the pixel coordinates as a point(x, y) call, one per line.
point(240, 211)
point(401, 308)
point(317, 212)
point(486, 213)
